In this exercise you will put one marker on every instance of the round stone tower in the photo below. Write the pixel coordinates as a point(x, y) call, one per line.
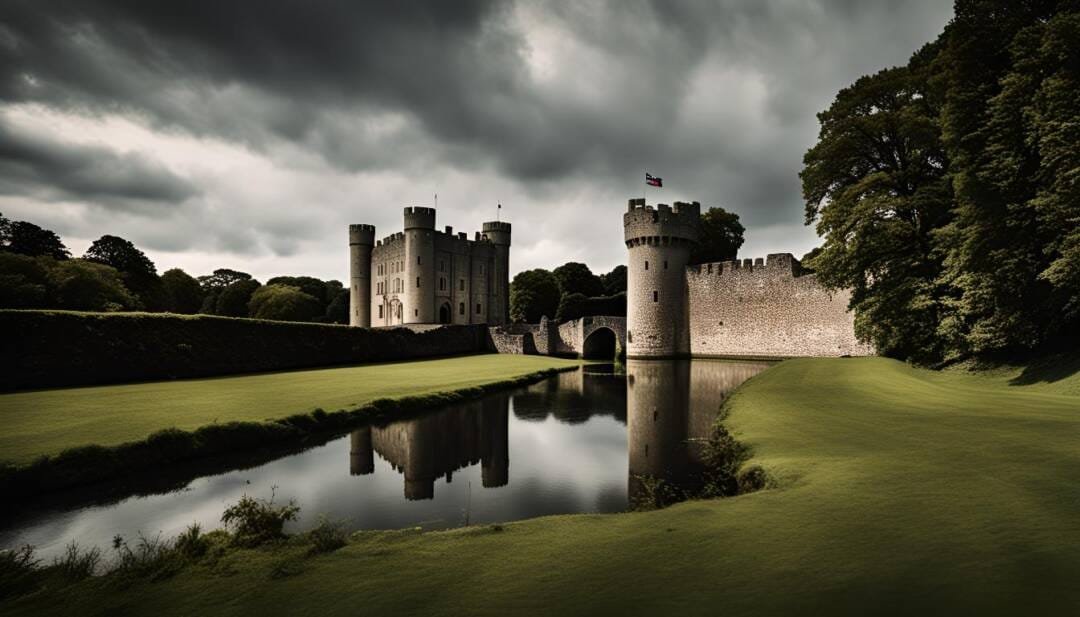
point(361, 243)
point(659, 241)
point(418, 305)
point(498, 233)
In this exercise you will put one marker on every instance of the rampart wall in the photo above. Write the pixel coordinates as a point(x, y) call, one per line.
point(767, 308)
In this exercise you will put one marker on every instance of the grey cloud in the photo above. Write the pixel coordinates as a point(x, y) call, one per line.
point(44, 167)
point(718, 96)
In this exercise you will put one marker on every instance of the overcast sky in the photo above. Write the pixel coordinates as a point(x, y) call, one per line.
point(218, 135)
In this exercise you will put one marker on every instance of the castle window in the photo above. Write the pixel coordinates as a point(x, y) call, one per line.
point(656, 296)
point(461, 308)
point(629, 336)
point(416, 312)
point(481, 269)
point(665, 264)
point(418, 260)
point(477, 308)
point(646, 264)
point(380, 312)
point(442, 266)
point(418, 281)
point(442, 284)
point(461, 285)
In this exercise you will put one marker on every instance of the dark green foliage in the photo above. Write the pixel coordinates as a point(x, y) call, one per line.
point(77, 284)
point(577, 278)
point(283, 303)
point(1011, 124)
point(574, 306)
point(614, 281)
point(946, 189)
point(191, 543)
point(23, 238)
point(183, 294)
point(338, 309)
point(50, 349)
point(258, 521)
point(222, 278)
point(875, 183)
point(23, 282)
point(533, 294)
point(721, 235)
point(233, 300)
point(138, 272)
point(18, 572)
point(311, 286)
point(327, 536)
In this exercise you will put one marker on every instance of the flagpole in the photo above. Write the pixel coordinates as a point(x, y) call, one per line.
point(645, 191)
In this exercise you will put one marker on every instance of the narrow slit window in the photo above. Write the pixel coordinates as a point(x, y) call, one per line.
point(656, 296)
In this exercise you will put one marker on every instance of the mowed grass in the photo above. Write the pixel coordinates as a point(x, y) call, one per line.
point(901, 492)
point(48, 421)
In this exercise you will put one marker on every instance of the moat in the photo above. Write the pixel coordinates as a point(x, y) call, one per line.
point(578, 442)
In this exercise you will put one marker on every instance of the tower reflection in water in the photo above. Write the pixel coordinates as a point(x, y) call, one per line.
point(671, 406)
point(438, 444)
point(667, 405)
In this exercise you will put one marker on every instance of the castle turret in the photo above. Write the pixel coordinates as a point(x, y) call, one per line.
point(418, 304)
point(498, 233)
point(659, 241)
point(361, 242)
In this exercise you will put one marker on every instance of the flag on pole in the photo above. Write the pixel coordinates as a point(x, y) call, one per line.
point(652, 180)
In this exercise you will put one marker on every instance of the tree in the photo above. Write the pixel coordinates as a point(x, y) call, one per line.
point(1010, 127)
point(183, 294)
point(533, 293)
point(78, 284)
point(876, 186)
point(720, 236)
point(310, 285)
point(574, 277)
point(25, 238)
point(615, 281)
point(337, 311)
point(24, 281)
point(233, 300)
point(138, 272)
point(283, 303)
point(222, 278)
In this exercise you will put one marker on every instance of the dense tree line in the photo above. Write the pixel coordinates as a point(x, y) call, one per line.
point(572, 290)
point(38, 271)
point(947, 191)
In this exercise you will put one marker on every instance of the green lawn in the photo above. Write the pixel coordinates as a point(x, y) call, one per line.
point(901, 492)
point(48, 421)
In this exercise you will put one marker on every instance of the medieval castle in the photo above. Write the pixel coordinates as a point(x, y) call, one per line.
point(424, 276)
point(769, 308)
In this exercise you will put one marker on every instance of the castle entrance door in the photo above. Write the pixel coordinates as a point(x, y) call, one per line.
point(444, 313)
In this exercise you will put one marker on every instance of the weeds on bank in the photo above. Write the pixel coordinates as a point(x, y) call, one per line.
point(721, 474)
point(258, 521)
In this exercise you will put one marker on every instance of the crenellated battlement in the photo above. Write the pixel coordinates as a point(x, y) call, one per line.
point(662, 224)
point(419, 217)
point(391, 239)
point(776, 264)
point(362, 234)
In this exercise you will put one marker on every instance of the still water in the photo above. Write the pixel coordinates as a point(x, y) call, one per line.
point(576, 442)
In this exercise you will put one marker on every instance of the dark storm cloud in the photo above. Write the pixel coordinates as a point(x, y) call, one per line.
point(45, 168)
point(429, 85)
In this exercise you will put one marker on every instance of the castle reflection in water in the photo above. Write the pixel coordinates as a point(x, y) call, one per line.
point(667, 405)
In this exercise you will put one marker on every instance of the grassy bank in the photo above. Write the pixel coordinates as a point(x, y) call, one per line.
point(46, 422)
point(900, 491)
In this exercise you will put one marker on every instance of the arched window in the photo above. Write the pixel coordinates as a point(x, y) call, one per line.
point(461, 308)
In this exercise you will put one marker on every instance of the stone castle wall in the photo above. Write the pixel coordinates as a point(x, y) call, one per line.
point(767, 308)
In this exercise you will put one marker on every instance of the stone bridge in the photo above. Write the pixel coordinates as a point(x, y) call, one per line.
point(599, 337)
